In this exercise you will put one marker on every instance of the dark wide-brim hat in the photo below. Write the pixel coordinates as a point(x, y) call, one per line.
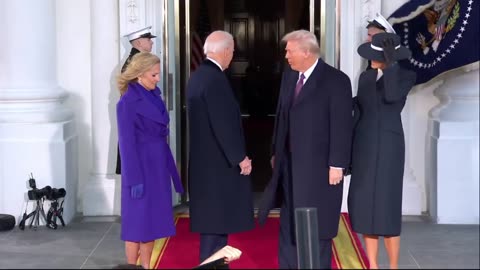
point(374, 50)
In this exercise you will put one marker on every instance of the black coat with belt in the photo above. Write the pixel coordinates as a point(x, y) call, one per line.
point(319, 128)
point(221, 200)
point(133, 51)
point(378, 155)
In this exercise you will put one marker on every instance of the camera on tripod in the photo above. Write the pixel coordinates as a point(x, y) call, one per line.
point(39, 195)
point(35, 193)
point(48, 192)
point(56, 193)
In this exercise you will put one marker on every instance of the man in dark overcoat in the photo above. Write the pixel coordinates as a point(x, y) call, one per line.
point(221, 200)
point(311, 146)
point(141, 41)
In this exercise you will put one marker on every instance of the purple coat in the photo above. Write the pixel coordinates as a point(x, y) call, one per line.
point(146, 159)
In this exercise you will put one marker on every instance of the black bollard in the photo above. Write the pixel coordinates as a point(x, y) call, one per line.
point(306, 227)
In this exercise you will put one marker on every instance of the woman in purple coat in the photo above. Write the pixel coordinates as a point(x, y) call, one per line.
point(147, 161)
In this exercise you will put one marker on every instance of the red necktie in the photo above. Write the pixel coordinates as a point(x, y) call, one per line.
point(299, 85)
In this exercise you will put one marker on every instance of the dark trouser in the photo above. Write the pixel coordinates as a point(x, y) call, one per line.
point(211, 243)
point(287, 248)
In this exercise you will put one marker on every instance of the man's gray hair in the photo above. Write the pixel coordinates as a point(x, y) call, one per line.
point(306, 39)
point(224, 41)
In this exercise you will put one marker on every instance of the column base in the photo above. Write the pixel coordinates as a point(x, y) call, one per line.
point(49, 152)
point(453, 174)
point(412, 196)
point(101, 195)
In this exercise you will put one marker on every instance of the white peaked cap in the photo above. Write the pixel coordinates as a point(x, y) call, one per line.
point(383, 22)
point(144, 32)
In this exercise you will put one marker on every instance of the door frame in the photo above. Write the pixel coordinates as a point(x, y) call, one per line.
point(323, 15)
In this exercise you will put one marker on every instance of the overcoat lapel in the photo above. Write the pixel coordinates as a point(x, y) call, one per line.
point(150, 111)
point(368, 79)
point(145, 107)
point(292, 81)
point(310, 85)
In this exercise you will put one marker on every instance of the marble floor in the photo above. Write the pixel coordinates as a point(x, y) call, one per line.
point(94, 242)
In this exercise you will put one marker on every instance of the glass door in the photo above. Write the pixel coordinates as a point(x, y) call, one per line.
point(170, 80)
point(324, 22)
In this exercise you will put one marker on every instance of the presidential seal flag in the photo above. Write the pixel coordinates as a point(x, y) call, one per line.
point(441, 34)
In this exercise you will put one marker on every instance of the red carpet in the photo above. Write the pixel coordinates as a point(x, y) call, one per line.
point(258, 246)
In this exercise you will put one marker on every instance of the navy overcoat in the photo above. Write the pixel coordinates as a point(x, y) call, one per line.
point(319, 125)
point(220, 197)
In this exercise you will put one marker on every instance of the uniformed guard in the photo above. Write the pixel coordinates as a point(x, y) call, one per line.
point(141, 41)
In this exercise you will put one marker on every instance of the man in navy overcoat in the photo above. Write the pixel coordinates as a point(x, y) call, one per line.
point(311, 146)
point(220, 192)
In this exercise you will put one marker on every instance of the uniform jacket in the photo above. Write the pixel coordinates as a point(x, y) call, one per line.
point(133, 51)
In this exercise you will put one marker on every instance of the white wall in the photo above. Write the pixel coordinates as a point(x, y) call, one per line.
point(73, 75)
point(421, 100)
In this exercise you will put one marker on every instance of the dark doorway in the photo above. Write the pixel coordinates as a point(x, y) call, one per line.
point(256, 69)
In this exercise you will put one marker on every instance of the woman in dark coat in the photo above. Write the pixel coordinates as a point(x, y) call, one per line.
point(148, 167)
point(378, 154)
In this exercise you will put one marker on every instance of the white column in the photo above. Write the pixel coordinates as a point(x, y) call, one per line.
point(412, 191)
point(353, 17)
point(37, 132)
point(453, 150)
point(101, 193)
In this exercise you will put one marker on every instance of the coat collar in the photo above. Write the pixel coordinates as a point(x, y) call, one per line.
point(144, 106)
point(133, 51)
point(310, 85)
point(208, 62)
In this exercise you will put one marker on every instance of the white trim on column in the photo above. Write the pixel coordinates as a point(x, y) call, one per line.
point(39, 105)
point(101, 192)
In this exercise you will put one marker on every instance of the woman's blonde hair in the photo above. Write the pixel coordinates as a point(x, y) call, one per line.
point(139, 64)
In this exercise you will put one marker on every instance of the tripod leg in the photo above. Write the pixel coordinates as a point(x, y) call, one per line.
point(43, 215)
point(61, 220)
point(37, 221)
point(34, 217)
point(29, 216)
point(24, 220)
point(60, 214)
point(38, 210)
